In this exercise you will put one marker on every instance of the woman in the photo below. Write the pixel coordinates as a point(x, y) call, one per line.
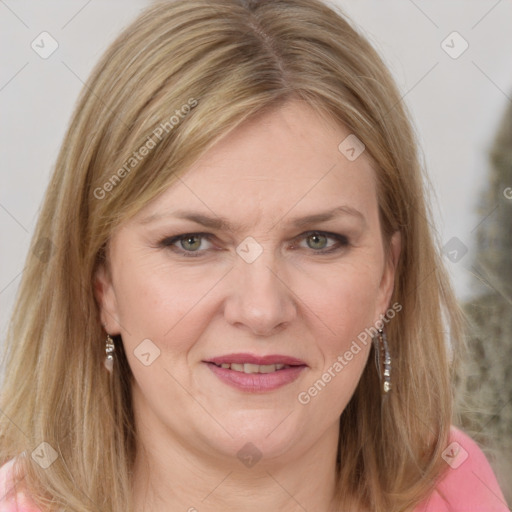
point(234, 300)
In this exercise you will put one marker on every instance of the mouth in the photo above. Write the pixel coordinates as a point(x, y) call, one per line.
point(254, 368)
point(251, 373)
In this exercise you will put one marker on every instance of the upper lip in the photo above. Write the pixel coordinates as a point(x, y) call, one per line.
point(254, 359)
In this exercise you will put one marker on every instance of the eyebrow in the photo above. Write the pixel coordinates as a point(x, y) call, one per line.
point(221, 223)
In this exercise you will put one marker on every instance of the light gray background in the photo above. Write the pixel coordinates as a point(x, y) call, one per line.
point(456, 103)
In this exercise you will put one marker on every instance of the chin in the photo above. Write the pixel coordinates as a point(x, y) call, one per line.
point(257, 434)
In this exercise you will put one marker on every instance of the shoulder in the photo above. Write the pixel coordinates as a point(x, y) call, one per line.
point(13, 497)
point(469, 484)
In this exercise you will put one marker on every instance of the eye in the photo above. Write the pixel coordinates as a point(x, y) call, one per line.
point(190, 243)
point(318, 240)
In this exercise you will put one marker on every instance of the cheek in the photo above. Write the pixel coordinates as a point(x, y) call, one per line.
point(344, 312)
point(156, 302)
point(342, 303)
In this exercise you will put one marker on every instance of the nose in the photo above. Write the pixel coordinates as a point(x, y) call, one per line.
point(260, 299)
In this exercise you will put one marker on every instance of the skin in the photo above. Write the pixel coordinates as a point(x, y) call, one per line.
point(291, 300)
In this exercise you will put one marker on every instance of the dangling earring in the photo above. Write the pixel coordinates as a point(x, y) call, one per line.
point(109, 350)
point(383, 360)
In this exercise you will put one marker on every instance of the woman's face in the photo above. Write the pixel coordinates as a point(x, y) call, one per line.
point(258, 290)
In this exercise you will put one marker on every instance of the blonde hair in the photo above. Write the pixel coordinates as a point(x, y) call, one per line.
point(234, 59)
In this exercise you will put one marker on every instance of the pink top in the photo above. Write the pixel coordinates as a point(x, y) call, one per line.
point(468, 486)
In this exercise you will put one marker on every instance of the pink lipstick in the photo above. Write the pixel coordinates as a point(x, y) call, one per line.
point(252, 373)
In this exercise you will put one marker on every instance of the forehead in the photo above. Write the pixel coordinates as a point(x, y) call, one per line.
point(288, 159)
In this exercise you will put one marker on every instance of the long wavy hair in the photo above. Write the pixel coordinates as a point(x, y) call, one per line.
point(234, 59)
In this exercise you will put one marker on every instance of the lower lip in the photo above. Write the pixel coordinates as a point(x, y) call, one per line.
point(257, 382)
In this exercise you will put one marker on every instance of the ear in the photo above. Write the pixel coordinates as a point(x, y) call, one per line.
point(388, 276)
point(105, 296)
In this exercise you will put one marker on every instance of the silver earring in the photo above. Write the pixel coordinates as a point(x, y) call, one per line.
point(109, 350)
point(383, 360)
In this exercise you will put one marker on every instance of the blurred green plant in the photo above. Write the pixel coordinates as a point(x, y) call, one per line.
point(484, 385)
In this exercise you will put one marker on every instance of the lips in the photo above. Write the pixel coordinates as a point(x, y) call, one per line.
point(253, 368)
point(248, 372)
point(256, 360)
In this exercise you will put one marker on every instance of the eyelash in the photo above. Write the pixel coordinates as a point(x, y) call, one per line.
point(169, 242)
